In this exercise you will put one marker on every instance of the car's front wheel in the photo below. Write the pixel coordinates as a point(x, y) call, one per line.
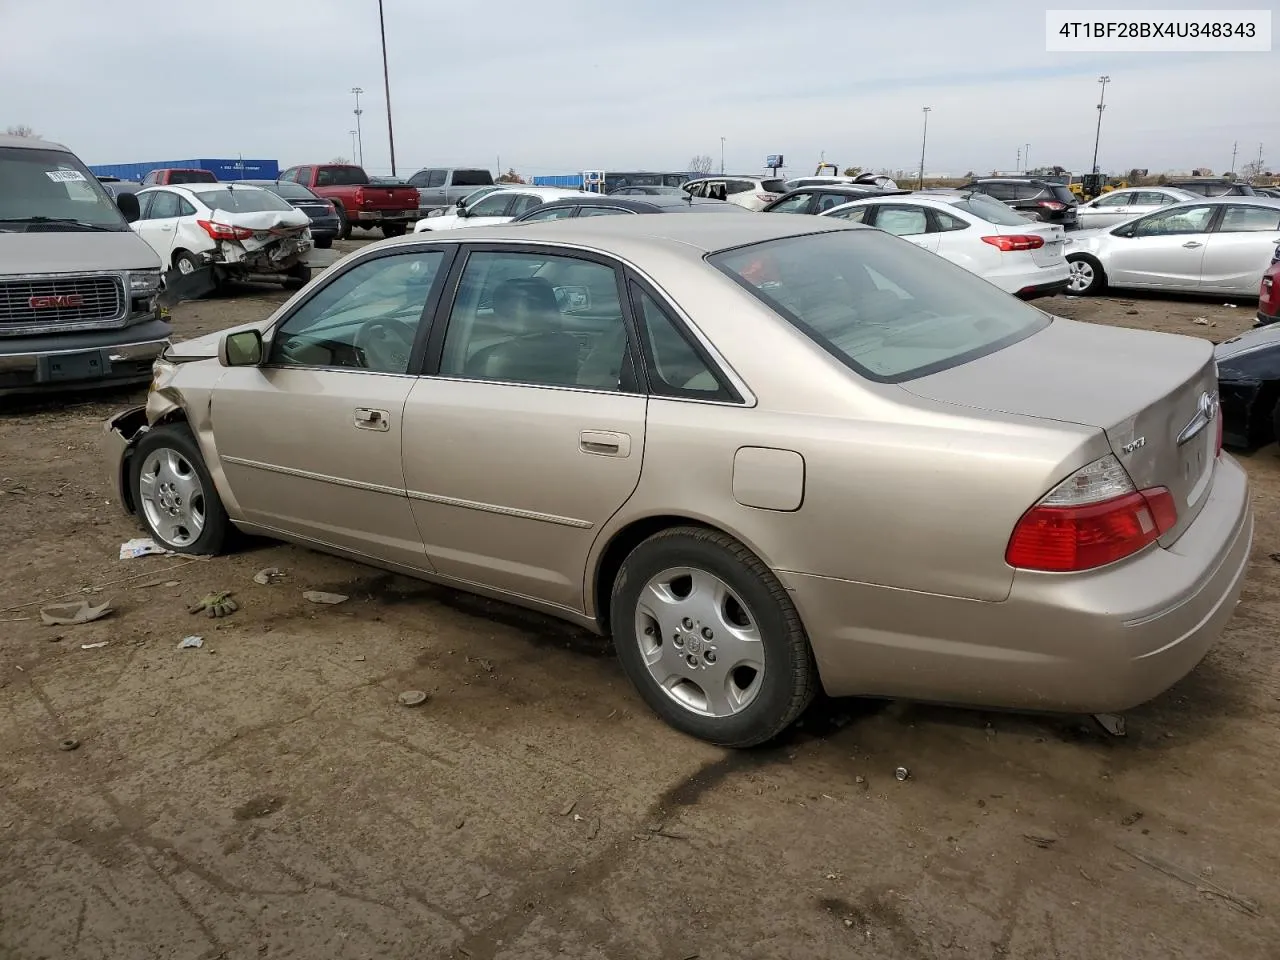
point(1086, 276)
point(174, 494)
point(710, 639)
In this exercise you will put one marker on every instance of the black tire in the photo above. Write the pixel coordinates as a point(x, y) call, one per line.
point(182, 258)
point(216, 529)
point(324, 243)
point(390, 230)
point(344, 225)
point(789, 678)
point(299, 276)
point(1086, 279)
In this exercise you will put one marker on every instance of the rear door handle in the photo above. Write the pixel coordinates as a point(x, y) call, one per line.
point(367, 418)
point(1192, 244)
point(604, 443)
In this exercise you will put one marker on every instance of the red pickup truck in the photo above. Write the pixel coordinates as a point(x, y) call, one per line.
point(359, 203)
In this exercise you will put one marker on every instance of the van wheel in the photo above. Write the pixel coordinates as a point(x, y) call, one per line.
point(710, 639)
point(1087, 276)
point(174, 494)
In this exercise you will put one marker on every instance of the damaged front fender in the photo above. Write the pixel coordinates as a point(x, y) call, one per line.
point(120, 434)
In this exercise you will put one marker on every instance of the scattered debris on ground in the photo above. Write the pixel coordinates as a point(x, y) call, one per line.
point(319, 596)
point(142, 547)
point(71, 614)
point(217, 604)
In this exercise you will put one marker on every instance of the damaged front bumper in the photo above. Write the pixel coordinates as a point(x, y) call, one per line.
point(119, 436)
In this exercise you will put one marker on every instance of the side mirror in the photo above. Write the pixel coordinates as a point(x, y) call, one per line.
point(463, 211)
point(460, 202)
point(241, 349)
point(129, 206)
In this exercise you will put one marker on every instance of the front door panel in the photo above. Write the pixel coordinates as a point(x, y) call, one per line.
point(316, 453)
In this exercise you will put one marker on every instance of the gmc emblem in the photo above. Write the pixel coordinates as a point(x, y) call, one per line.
point(54, 302)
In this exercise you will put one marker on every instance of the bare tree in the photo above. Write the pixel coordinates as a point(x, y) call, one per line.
point(511, 177)
point(340, 161)
point(701, 164)
point(20, 130)
point(1251, 169)
point(852, 171)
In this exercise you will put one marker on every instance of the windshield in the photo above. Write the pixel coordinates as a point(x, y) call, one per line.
point(243, 200)
point(881, 306)
point(52, 188)
point(992, 211)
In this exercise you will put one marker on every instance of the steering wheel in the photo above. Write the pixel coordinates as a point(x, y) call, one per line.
point(384, 345)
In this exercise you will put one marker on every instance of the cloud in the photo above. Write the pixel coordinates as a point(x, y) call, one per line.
point(564, 85)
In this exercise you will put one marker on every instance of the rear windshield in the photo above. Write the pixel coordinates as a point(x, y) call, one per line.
point(243, 200)
point(774, 186)
point(887, 309)
point(341, 177)
point(191, 176)
point(1063, 194)
point(291, 191)
point(472, 178)
point(993, 211)
point(50, 190)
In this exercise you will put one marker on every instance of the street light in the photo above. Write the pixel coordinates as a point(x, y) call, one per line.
point(1101, 106)
point(924, 140)
point(722, 156)
point(358, 153)
point(354, 135)
point(386, 85)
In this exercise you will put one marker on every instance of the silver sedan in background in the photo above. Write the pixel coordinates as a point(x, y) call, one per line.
point(1121, 205)
point(1217, 246)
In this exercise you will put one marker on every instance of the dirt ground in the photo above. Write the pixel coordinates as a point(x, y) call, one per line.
point(266, 796)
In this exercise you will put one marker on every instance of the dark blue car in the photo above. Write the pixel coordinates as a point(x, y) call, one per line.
point(324, 216)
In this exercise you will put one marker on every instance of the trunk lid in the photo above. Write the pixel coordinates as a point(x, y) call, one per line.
point(1144, 391)
point(1054, 241)
point(389, 198)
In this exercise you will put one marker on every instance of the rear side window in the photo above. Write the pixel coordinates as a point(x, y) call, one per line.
point(1000, 191)
point(887, 310)
point(676, 367)
point(1238, 218)
point(1064, 195)
point(1027, 191)
point(773, 186)
point(946, 222)
point(472, 178)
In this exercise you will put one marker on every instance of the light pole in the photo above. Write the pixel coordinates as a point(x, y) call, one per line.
point(722, 156)
point(354, 137)
point(1234, 146)
point(386, 85)
point(358, 147)
point(924, 139)
point(1102, 97)
point(1026, 159)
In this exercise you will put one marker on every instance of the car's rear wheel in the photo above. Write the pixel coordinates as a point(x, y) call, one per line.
point(390, 230)
point(710, 639)
point(299, 276)
point(344, 225)
point(324, 243)
point(1086, 276)
point(185, 263)
point(174, 494)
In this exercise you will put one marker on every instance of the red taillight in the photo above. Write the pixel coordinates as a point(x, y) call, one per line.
point(1008, 244)
point(1051, 204)
point(1091, 519)
point(359, 196)
point(224, 231)
point(767, 197)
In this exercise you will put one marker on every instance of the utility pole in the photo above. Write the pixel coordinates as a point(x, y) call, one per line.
point(1101, 106)
point(924, 139)
point(357, 153)
point(722, 156)
point(386, 86)
point(1234, 147)
point(1258, 172)
point(1017, 162)
point(354, 137)
point(1026, 159)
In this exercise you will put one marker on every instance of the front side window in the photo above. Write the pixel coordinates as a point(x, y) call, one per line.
point(494, 205)
point(799, 203)
point(164, 204)
point(901, 220)
point(365, 319)
point(675, 366)
point(1115, 200)
point(436, 178)
point(523, 203)
point(1171, 222)
point(887, 310)
point(538, 319)
point(1238, 218)
point(828, 200)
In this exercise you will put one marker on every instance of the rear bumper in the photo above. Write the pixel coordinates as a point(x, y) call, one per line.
point(1097, 642)
point(1037, 290)
point(1265, 319)
point(102, 358)
point(387, 216)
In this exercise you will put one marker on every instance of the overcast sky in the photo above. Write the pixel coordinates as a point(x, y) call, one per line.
point(556, 86)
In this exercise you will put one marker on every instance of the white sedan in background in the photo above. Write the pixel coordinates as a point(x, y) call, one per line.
point(1127, 203)
point(235, 229)
point(1215, 245)
point(493, 207)
point(1020, 256)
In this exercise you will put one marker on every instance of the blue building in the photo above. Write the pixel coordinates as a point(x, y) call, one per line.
point(234, 169)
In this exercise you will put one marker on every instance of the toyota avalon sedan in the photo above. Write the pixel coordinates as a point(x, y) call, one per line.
point(763, 453)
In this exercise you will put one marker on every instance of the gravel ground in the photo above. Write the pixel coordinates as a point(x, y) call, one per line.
point(266, 796)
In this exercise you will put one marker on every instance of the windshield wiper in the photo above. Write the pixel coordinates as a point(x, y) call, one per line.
point(61, 221)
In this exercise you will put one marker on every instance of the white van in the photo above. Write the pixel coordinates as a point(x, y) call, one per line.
point(77, 286)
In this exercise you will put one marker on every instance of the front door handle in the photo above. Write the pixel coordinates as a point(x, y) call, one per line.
point(366, 418)
point(604, 443)
point(1192, 244)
